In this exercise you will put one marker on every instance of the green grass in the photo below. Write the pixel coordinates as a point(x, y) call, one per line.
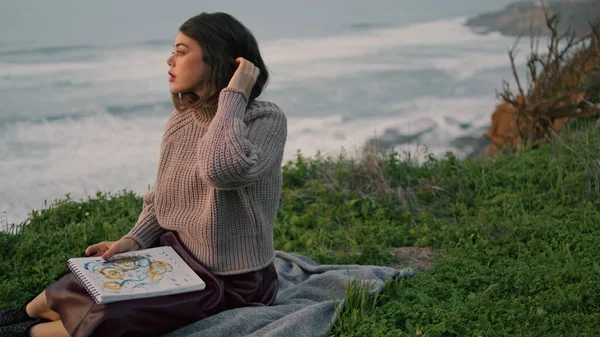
point(517, 238)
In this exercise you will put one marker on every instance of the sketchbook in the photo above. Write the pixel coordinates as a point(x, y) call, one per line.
point(139, 274)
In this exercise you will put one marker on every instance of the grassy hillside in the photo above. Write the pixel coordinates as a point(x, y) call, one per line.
point(518, 238)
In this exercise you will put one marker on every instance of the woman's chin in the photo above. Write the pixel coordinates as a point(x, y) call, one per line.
point(176, 88)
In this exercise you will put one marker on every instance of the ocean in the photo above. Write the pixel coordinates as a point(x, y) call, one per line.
point(84, 87)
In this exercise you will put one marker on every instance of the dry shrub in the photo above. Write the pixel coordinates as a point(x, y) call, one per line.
point(558, 89)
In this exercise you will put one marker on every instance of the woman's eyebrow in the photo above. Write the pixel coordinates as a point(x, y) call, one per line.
point(181, 44)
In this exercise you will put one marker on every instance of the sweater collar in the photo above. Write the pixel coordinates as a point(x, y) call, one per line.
point(204, 115)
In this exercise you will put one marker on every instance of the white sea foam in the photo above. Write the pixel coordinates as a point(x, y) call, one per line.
point(438, 33)
point(302, 58)
point(445, 45)
point(100, 151)
point(108, 153)
point(439, 120)
point(22, 70)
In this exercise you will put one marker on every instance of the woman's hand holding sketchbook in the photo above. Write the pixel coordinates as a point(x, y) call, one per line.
point(107, 249)
point(134, 274)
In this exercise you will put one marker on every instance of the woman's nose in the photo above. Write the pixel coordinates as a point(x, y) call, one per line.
point(170, 61)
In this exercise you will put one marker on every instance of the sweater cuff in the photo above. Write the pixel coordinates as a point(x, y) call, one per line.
point(233, 99)
point(146, 232)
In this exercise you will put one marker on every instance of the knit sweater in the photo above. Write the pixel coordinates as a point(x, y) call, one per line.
point(218, 183)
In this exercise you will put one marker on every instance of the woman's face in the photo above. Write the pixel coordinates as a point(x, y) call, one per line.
point(186, 67)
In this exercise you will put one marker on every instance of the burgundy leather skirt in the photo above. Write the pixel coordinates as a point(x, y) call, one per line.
point(82, 316)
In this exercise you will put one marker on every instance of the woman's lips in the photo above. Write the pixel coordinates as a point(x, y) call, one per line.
point(171, 78)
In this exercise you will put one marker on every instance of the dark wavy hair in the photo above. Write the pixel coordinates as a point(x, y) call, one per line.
point(223, 39)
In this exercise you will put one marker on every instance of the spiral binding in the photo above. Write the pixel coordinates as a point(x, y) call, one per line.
point(89, 287)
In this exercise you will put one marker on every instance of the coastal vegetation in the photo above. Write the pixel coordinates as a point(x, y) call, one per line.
point(562, 84)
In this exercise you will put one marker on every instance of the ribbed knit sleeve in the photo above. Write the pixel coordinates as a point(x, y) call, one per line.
point(233, 154)
point(146, 230)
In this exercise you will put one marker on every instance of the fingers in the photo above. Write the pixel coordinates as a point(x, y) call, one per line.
point(109, 253)
point(114, 249)
point(121, 246)
point(96, 249)
point(245, 76)
point(244, 64)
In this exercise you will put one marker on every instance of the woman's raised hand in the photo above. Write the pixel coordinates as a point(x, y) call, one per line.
point(245, 75)
point(107, 249)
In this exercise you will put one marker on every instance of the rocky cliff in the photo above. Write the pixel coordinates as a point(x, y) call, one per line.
point(527, 16)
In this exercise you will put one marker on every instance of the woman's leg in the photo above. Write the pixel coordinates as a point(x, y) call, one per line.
point(38, 308)
point(49, 329)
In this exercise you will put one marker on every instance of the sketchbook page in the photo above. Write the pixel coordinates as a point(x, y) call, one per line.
point(144, 273)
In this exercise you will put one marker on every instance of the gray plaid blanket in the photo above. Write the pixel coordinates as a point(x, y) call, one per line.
point(305, 302)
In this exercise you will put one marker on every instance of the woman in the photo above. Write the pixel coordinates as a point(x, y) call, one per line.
point(215, 198)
